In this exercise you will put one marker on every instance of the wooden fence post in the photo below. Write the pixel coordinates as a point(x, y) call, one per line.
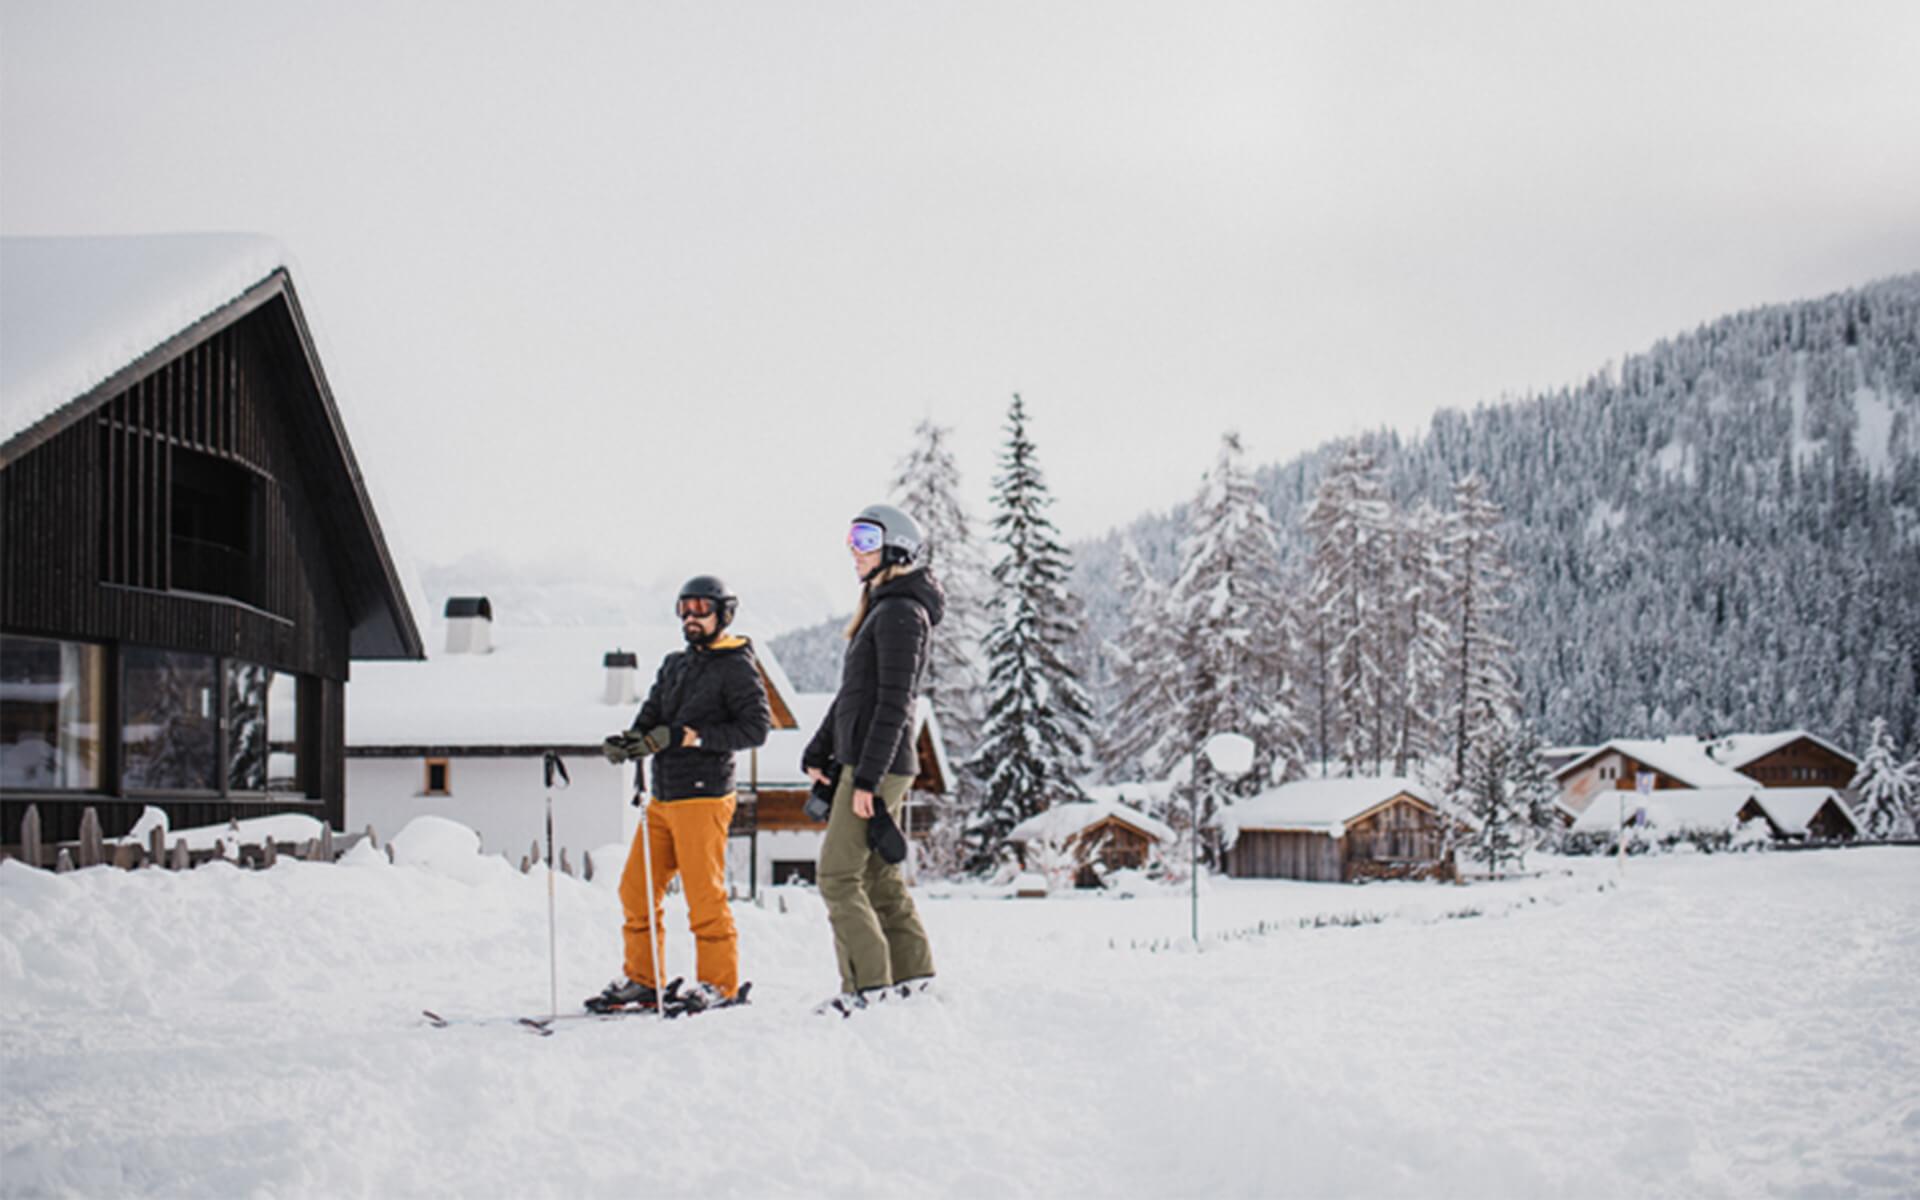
point(269, 853)
point(326, 842)
point(91, 851)
point(586, 865)
point(31, 851)
point(156, 846)
point(179, 861)
point(565, 867)
point(64, 863)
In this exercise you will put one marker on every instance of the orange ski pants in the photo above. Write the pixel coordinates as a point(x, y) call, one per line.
point(687, 837)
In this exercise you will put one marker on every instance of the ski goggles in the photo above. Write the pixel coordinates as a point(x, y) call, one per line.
point(693, 606)
point(866, 537)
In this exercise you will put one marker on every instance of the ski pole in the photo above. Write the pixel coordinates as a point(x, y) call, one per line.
point(552, 763)
point(653, 903)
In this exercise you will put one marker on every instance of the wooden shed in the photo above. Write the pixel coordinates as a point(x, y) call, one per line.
point(1337, 831)
point(190, 557)
point(1114, 835)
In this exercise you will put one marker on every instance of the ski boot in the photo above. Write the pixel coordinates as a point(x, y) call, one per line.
point(626, 993)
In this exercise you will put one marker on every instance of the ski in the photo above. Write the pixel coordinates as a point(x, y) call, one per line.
point(544, 1026)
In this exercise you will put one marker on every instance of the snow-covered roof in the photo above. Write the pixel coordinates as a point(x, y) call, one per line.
point(538, 687)
point(1683, 759)
point(780, 758)
point(74, 311)
point(1736, 750)
point(1789, 810)
point(1318, 805)
point(1671, 809)
point(1793, 809)
point(1063, 821)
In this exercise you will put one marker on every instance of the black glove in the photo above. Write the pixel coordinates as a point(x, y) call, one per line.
point(819, 805)
point(615, 748)
point(883, 836)
point(624, 747)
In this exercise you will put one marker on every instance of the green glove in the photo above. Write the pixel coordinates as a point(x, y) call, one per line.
point(659, 738)
point(615, 748)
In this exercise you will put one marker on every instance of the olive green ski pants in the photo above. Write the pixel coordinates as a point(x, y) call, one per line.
point(877, 935)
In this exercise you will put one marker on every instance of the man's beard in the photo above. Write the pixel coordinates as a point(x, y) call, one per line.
point(695, 636)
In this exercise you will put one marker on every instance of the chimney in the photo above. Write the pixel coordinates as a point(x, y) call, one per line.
point(623, 669)
point(469, 625)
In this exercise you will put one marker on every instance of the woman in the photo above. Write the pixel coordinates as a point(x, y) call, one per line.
point(864, 750)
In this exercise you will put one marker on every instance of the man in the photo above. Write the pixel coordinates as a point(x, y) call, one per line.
point(706, 703)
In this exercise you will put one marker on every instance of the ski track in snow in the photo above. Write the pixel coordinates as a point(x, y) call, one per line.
point(1709, 1026)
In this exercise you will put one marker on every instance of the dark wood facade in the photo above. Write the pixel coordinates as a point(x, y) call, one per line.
point(1400, 838)
point(203, 501)
point(1802, 762)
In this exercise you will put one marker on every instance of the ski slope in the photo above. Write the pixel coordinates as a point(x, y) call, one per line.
point(1697, 1026)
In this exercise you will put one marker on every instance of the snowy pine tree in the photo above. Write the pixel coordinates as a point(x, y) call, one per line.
point(1889, 789)
point(927, 486)
point(1502, 830)
point(1535, 790)
point(1419, 643)
point(1038, 716)
point(1228, 624)
point(1142, 716)
point(1483, 700)
point(1351, 527)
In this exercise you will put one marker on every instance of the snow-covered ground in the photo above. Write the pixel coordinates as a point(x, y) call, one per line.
point(1701, 1026)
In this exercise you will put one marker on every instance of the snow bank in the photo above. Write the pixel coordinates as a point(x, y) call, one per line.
point(1710, 1025)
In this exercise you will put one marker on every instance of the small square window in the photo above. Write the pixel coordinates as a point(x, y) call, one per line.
point(439, 781)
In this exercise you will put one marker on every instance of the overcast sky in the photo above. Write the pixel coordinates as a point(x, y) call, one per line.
point(637, 291)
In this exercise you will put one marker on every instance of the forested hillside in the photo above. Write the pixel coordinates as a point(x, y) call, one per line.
point(1721, 533)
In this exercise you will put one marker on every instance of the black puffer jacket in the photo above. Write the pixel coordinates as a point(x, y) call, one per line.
point(716, 691)
point(869, 726)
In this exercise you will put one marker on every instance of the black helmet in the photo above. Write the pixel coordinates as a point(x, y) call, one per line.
point(709, 587)
point(902, 541)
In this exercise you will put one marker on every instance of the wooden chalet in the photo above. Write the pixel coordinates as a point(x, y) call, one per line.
point(190, 557)
point(1337, 831)
point(1618, 765)
point(1101, 830)
point(1791, 758)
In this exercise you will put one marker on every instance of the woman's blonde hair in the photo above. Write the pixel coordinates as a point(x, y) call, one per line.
point(886, 574)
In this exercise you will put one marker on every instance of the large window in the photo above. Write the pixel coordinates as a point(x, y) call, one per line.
point(262, 729)
point(170, 737)
point(52, 714)
point(213, 506)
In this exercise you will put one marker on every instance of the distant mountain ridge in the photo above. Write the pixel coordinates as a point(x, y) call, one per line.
point(1720, 534)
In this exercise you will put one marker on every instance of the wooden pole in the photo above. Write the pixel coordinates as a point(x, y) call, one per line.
point(31, 851)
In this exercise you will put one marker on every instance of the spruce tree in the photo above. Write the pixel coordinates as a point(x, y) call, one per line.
point(1535, 790)
point(1889, 789)
point(1419, 641)
point(1142, 717)
point(1484, 699)
point(1350, 524)
point(927, 485)
point(1038, 716)
point(1501, 830)
point(1229, 625)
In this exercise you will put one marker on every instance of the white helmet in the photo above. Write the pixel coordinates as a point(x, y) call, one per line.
point(902, 541)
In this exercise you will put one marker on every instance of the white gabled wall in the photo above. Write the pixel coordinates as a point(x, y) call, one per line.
point(501, 799)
